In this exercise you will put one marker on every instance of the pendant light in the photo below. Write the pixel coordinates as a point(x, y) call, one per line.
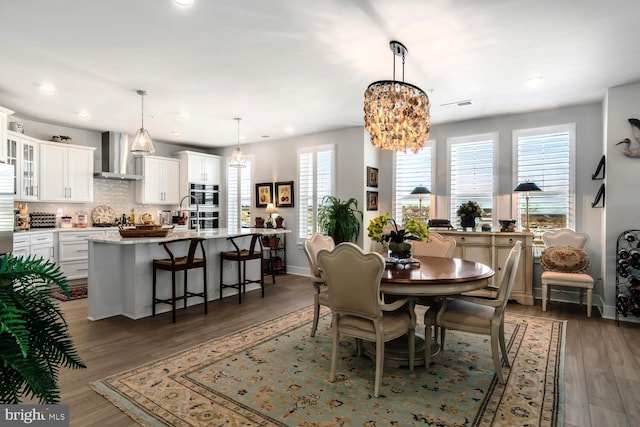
point(142, 143)
point(237, 159)
point(396, 114)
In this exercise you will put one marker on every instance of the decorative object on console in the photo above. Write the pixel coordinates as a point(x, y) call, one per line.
point(259, 222)
point(264, 193)
point(420, 191)
point(396, 114)
point(527, 187)
point(507, 225)
point(635, 130)
point(279, 221)
point(270, 209)
point(284, 194)
point(237, 159)
point(142, 143)
point(397, 237)
point(439, 224)
point(468, 212)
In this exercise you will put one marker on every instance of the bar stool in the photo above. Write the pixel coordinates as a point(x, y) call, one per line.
point(185, 263)
point(241, 256)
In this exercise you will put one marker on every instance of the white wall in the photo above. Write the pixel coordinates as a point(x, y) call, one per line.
point(622, 177)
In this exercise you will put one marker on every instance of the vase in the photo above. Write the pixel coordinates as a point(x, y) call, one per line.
point(466, 223)
point(400, 250)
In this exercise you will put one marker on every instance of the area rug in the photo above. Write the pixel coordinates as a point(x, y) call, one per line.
point(275, 374)
point(76, 292)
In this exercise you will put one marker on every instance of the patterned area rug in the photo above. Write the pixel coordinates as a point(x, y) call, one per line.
point(275, 374)
point(77, 292)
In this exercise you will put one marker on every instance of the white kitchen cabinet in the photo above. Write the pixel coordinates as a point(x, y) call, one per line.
point(22, 152)
point(73, 252)
point(199, 168)
point(21, 245)
point(35, 244)
point(4, 123)
point(66, 173)
point(160, 184)
point(492, 249)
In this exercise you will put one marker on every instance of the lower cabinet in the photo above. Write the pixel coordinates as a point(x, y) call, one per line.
point(73, 252)
point(35, 244)
point(492, 249)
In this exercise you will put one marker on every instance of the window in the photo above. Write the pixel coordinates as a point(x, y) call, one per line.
point(239, 196)
point(471, 160)
point(316, 172)
point(412, 170)
point(546, 156)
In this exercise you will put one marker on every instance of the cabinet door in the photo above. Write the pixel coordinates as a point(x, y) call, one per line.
point(12, 159)
point(29, 170)
point(212, 169)
point(53, 180)
point(44, 252)
point(195, 168)
point(171, 182)
point(503, 247)
point(152, 181)
point(80, 175)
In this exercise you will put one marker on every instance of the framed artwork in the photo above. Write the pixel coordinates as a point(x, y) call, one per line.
point(372, 177)
point(372, 200)
point(264, 194)
point(284, 194)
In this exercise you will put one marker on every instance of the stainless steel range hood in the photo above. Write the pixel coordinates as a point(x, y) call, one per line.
point(115, 157)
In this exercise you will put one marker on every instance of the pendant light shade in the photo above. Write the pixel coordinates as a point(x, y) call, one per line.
point(396, 114)
point(237, 159)
point(142, 143)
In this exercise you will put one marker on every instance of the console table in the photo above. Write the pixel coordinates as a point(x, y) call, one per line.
point(492, 249)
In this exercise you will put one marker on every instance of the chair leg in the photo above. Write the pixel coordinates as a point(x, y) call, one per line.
point(495, 352)
point(173, 295)
point(316, 315)
point(334, 350)
point(427, 344)
point(544, 297)
point(589, 301)
point(503, 346)
point(153, 301)
point(379, 363)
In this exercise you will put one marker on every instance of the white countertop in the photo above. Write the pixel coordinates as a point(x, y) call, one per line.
point(220, 233)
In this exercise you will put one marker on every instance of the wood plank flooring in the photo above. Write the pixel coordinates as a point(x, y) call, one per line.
point(602, 363)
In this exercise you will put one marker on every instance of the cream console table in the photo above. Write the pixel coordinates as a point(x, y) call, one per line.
point(492, 249)
point(120, 270)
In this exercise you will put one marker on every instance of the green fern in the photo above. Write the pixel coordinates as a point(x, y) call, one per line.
point(34, 336)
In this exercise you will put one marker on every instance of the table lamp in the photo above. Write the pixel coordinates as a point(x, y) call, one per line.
point(527, 187)
point(270, 209)
point(420, 191)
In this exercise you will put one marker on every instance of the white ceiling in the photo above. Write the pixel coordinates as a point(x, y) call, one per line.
point(291, 67)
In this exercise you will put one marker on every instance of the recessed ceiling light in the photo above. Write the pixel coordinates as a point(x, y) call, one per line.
point(84, 115)
point(184, 2)
point(47, 88)
point(464, 103)
point(183, 115)
point(176, 133)
point(534, 81)
point(289, 129)
point(266, 136)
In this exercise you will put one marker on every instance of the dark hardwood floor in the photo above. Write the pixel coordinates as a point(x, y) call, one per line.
point(602, 361)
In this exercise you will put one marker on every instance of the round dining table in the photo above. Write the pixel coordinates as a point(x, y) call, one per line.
point(427, 277)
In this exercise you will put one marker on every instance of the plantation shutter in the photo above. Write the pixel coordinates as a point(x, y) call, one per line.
point(472, 173)
point(239, 196)
point(316, 180)
point(412, 170)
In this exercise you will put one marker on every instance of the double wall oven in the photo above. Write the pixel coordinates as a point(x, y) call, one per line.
point(208, 203)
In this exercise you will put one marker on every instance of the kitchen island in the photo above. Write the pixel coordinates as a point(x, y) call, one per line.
point(121, 271)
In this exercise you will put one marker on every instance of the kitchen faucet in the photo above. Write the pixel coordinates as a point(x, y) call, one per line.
point(197, 210)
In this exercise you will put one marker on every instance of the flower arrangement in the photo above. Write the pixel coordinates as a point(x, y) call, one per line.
point(413, 230)
point(470, 210)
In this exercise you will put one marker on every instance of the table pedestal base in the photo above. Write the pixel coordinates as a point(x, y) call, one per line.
point(396, 352)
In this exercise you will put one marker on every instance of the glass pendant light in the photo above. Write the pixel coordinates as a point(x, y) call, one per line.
point(237, 159)
point(142, 143)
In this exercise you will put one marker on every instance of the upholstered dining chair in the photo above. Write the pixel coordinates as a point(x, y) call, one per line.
point(483, 316)
point(353, 279)
point(312, 246)
point(436, 245)
point(565, 264)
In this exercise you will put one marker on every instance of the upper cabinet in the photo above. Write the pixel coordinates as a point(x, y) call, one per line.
point(199, 168)
point(66, 173)
point(4, 123)
point(160, 182)
point(22, 152)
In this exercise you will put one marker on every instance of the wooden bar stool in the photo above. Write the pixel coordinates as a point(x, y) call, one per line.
point(241, 256)
point(185, 263)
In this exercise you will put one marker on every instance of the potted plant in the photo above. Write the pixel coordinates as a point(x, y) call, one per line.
point(259, 222)
point(34, 337)
point(396, 237)
point(468, 212)
point(340, 219)
point(279, 221)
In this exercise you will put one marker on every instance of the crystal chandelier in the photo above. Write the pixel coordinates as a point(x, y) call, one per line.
point(237, 159)
point(142, 143)
point(396, 114)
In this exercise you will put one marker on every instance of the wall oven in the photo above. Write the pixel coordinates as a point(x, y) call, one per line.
point(208, 220)
point(207, 195)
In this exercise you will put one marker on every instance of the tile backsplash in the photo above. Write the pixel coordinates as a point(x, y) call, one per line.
point(119, 195)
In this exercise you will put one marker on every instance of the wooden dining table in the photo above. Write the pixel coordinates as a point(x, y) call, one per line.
point(428, 277)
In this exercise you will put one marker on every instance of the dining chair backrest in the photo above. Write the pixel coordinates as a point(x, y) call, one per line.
point(353, 278)
point(312, 246)
point(436, 245)
point(565, 237)
point(509, 271)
